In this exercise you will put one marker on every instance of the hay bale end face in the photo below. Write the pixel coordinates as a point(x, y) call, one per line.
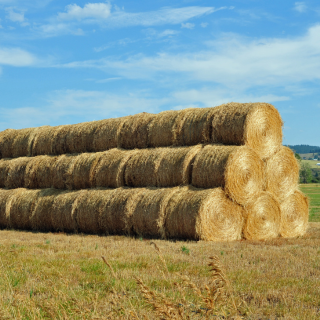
point(238, 169)
point(282, 173)
point(262, 218)
point(294, 215)
point(203, 215)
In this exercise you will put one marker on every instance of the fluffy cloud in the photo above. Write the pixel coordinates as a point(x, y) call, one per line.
point(16, 57)
point(16, 16)
point(187, 25)
point(300, 7)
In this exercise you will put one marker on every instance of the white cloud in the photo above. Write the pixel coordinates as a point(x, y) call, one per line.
point(300, 7)
point(204, 24)
point(89, 11)
point(187, 25)
point(16, 16)
point(232, 61)
point(16, 57)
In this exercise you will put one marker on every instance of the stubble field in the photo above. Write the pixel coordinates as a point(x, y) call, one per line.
point(61, 276)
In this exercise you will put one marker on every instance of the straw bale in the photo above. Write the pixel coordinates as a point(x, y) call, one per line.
point(238, 169)
point(105, 136)
point(282, 173)
point(161, 129)
point(21, 143)
point(20, 207)
point(16, 172)
point(5, 195)
point(257, 125)
point(4, 167)
point(117, 208)
point(294, 215)
point(203, 214)
point(79, 174)
point(109, 171)
point(38, 172)
point(60, 170)
point(193, 126)
point(63, 218)
point(6, 141)
point(149, 212)
point(59, 143)
point(41, 218)
point(86, 210)
point(43, 141)
point(133, 132)
point(262, 218)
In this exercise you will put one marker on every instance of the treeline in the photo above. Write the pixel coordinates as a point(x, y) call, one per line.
point(304, 148)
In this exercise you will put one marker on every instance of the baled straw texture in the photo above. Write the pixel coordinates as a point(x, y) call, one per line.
point(161, 167)
point(86, 210)
point(63, 218)
point(116, 210)
point(38, 172)
point(43, 141)
point(262, 218)
point(20, 207)
point(42, 214)
point(238, 169)
point(4, 198)
point(282, 173)
point(203, 214)
point(193, 126)
point(257, 125)
point(60, 170)
point(133, 132)
point(294, 215)
point(4, 168)
point(106, 134)
point(149, 212)
point(6, 140)
point(109, 171)
point(79, 174)
point(16, 172)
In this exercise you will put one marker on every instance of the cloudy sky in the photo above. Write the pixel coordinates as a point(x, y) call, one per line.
point(67, 62)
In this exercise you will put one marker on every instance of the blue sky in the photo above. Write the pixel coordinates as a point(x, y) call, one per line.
point(66, 62)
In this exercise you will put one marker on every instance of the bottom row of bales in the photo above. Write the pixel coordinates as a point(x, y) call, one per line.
point(180, 212)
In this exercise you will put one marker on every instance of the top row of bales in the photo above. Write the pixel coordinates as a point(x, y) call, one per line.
point(257, 125)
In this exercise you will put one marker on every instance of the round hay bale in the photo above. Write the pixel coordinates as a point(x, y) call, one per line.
point(86, 210)
point(63, 218)
point(257, 125)
point(109, 171)
point(6, 141)
point(175, 166)
point(20, 207)
point(4, 198)
point(80, 171)
point(262, 218)
point(193, 126)
point(43, 141)
point(16, 172)
point(59, 143)
point(149, 212)
point(294, 215)
point(116, 210)
point(282, 173)
point(133, 132)
point(199, 214)
point(105, 136)
point(22, 142)
point(4, 168)
point(38, 172)
point(42, 214)
point(60, 170)
point(238, 169)
point(160, 129)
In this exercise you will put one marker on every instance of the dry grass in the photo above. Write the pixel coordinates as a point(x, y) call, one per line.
point(60, 276)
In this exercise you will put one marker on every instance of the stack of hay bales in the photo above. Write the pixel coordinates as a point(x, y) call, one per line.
point(213, 174)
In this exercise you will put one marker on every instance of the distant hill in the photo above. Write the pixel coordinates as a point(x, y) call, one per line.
point(304, 148)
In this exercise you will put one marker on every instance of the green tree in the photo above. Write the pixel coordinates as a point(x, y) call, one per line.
point(297, 155)
point(305, 173)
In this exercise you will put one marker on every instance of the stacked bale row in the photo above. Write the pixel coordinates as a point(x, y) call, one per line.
point(228, 199)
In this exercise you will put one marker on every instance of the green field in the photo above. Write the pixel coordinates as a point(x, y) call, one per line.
point(312, 190)
point(307, 155)
point(312, 163)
